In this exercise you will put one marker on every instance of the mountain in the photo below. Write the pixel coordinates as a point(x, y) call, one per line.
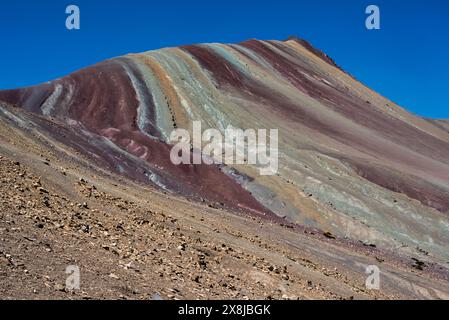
point(354, 168)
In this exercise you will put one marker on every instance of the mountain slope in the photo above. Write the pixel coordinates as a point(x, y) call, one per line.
point(351, 163)
point(135, 241)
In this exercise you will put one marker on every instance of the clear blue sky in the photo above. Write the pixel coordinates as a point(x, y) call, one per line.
point(407, 60)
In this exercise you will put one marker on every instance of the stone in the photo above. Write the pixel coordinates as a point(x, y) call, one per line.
point(60, 287)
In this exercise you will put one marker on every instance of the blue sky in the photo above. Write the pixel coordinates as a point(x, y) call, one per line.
point(407, 60)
